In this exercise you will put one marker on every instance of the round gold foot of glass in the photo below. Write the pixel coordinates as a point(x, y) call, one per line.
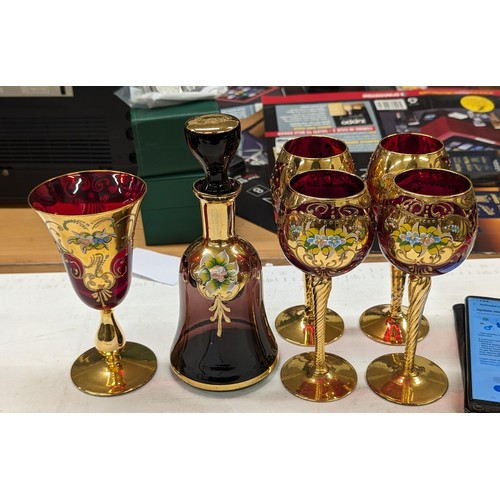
point(338, 381)
point(377, 324)
point(93, 375)
point(291, 325)
point(427, 384)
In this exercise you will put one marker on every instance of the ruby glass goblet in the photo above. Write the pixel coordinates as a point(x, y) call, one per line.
point(315, 152)
point(91, 216)
point(387, 323)
point(325, 229)
point(426, 227)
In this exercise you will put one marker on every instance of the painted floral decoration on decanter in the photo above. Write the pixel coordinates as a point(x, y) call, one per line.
point(217, 278)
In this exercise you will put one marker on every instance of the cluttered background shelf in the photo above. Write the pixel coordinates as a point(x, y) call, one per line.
point(50, 130)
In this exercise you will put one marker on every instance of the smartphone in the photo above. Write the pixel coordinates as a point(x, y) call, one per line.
point(482, 354)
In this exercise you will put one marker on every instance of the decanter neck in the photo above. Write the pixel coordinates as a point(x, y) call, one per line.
point(218, 213)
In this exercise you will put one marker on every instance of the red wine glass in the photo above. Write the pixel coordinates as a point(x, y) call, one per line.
point(91, 215)
point(300, 154)
point(325, 229)
point(426, 227)
point(387, 323)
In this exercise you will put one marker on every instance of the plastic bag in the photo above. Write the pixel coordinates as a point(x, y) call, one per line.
point(156, 97)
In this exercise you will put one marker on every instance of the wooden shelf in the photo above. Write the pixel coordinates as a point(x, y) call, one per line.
point(29, 248)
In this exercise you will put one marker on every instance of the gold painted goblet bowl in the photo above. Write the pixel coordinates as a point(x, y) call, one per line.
point(427, 226)
point(315, 152)
point(325, 229)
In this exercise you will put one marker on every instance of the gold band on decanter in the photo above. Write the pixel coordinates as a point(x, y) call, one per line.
point(226, 387)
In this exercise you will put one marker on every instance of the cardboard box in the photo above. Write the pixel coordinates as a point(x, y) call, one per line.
point(158, 133)
point(245, 102)
point(170, 210)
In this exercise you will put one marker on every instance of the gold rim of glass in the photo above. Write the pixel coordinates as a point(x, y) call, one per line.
point(77, 172)
point(312, 158)
point(436, 171)
point(391, 151)
point(361, 193)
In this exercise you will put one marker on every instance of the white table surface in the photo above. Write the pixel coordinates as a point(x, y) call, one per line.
point(44, 327)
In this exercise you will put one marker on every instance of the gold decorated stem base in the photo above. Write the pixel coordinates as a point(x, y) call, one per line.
point(299, 378)
point(291, 324)
point(93, 375)
point(427, 384)
point(377, 324)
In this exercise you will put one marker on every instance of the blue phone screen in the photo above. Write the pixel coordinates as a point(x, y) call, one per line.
point(484, 342)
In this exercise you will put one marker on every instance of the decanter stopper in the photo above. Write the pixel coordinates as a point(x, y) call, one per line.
point(213, 140)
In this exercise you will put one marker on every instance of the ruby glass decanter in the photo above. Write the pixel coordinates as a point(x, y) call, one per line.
point(295, 324)
point(223, 340)
point(387, 323)
point(427, 227)
point(91, 216)
point(325, 229)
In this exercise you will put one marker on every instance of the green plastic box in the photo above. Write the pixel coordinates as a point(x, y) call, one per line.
point(170, 210)
point(159, 141)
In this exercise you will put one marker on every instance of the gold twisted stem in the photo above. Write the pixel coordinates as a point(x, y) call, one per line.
point(308, 305)
point(398, 279)
point(320, 291)
point(418, 291)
